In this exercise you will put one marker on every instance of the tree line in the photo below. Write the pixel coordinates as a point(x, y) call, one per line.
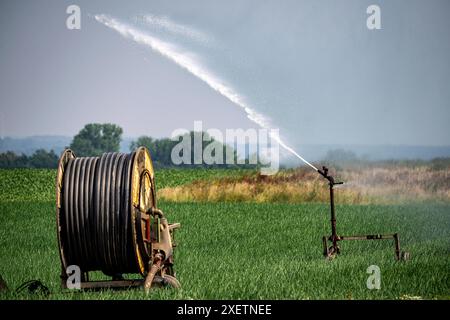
point(95, 139)
point(39, 159)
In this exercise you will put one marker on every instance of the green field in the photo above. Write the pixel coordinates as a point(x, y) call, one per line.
point(242, 250)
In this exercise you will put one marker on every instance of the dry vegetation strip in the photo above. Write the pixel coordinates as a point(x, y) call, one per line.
point(369, 185)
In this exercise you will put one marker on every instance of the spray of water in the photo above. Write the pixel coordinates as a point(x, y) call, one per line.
point(190, 63)
point(165, 24)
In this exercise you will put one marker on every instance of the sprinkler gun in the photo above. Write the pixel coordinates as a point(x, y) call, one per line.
point(334, 238)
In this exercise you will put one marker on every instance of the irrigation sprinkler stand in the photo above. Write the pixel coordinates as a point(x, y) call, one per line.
point(334, 238)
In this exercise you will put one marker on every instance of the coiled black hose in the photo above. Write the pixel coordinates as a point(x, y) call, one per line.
point(95, 219)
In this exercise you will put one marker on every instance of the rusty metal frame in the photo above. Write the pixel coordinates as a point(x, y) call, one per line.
point(334, 238)
point(157, 281)
point(160, 271)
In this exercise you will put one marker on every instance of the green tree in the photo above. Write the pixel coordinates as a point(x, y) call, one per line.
point(161, 149)
point(95, 139)
point(43, 159)
point(11, 160)
point(143, 141)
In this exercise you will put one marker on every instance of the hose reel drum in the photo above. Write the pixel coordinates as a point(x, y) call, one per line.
point(108, 220)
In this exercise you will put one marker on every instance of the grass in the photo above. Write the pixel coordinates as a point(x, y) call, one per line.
point(244, 250)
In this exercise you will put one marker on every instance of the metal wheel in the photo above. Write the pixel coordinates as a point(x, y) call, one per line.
point(166, 282)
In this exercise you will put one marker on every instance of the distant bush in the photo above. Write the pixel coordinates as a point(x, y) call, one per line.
point(39, 159)
point(440, 163)
point(370, 185)
point(11, 160)
point(341, 159)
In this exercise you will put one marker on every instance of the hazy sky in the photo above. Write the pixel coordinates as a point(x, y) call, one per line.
point(312, 67)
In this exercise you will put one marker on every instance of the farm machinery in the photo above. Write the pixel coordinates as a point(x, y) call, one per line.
point(107, 220)
point(331, 251)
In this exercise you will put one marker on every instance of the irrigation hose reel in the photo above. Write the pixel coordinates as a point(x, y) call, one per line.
point(107, 220)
